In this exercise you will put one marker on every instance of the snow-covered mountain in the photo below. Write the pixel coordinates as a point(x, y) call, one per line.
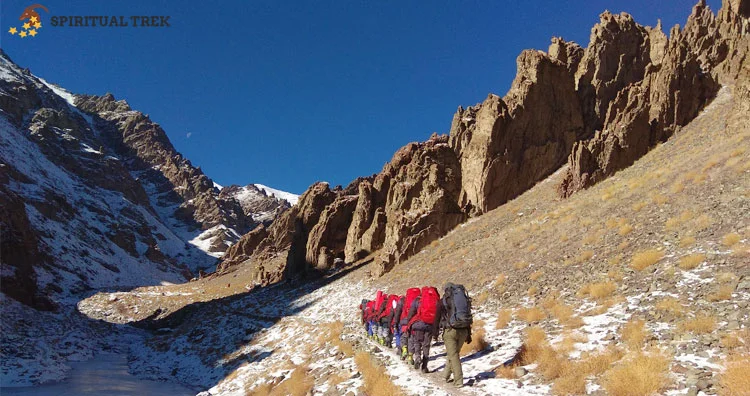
point(261, 203)
point(93, 195)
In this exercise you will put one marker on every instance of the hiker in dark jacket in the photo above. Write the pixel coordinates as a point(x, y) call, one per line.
point(420, 341)
point(456, 330)
point(408, 311)
point(406, 331)
point(363, 314)
point(395, 320)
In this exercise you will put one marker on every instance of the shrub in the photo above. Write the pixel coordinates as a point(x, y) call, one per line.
point(638, 375)
point(686, 241)
point(503, 318)
point(735, 339)
point(625, 229)
point(646, 258)
point(701, 324)
point(731, 239)
point(670, 305)
point(638, 206)
point(721, 294)
point(634, 334)
point(659, 199)
point(531, 315)
point(536, 275)
point(376, 380)
point(478, 342)
point(691, 261)
point(598, 290)
point(735, 380)
point(585, 256)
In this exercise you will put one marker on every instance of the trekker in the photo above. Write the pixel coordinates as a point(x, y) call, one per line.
point(408, 312)
point(424, 327)
point(379, 305)
point(386, 317)
point(369, 309)
point(456, 320)
point(395, 320)
point(363, 312)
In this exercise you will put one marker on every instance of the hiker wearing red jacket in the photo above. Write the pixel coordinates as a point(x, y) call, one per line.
point(378, 307)
point(386, 317)
point(424, 326)
point(408, 311)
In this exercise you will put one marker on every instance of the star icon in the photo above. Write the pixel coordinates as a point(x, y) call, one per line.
point(12, 30)
point(34, 19)
point(32, 32)
point(38, 25)
point(26, 25)
point(22, 34)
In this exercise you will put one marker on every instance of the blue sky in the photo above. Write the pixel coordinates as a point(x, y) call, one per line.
point(288, 93)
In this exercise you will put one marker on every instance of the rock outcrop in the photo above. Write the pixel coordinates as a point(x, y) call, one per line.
point(683, 75)
point(629, 89)
point(507, 145)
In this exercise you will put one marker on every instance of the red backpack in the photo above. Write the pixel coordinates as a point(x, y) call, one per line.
point(411, 294)
point(379, 297)
point(428, 306)
point(368, 310)
point(392, 299)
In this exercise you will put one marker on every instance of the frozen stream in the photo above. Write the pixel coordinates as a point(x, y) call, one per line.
point(106, 374)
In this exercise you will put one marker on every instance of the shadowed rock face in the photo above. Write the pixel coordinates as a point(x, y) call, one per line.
point(629, 89)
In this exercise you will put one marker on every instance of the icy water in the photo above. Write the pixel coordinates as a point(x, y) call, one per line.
point(106, 374)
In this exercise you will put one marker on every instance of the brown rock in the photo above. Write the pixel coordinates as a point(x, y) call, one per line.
point(327, 238)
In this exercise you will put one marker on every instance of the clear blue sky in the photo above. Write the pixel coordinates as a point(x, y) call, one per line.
point(288, 93)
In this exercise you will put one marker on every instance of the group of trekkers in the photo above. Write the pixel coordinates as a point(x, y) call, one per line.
point(414, 319)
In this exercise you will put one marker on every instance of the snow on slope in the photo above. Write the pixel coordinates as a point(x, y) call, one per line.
point(289, 197)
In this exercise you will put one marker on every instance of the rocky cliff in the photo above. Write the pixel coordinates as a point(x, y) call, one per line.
point(93, 194)
point(598, 108)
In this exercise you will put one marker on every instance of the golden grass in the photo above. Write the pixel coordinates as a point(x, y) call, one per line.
point(659, 199)
point(735, 339)
point(533, 290)
point(478, 342)
point(507, 372)
point(639, 205)
point(735, 381)
point(520, 265)
point(585, 256)
point(572, 380)
point(726, 277)
point(503, 318)
point(299, 383)
point(691, 261)
point(531, 315)
point(646, 258)
point(686, 241)
point(640, 374)
point(634, 334)
point(723, 293)
point(536, 275)
point(730, 239)
point(741, 250)
point(703, 222)
point(481, 298)
point(376, 380)
point(598, 290)
point(500, 279)
point(625, 229)
point(701, 324)
point(670, 305)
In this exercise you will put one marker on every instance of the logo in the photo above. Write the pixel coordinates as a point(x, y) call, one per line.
point(32, 24)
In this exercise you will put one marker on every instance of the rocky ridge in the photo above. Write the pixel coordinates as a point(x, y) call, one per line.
point(598, 108)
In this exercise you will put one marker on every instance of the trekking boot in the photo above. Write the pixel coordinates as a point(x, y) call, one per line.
point(410, 359)
point(404, 352)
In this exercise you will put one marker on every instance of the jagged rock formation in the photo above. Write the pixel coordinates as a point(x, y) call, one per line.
point(629, 89)
point(680, 75)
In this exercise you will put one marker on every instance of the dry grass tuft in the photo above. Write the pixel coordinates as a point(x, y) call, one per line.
point(598, 290)
point(531, 315)
point(670, 305)
point(500, 279)
point(723, 293)
point(735, 380)
point(299, 383)
point(520, 265)
point(735, 339)
point(376, 380)
point(639, 205)
point(686, 241)
point(625, 229)
point(533, 290)
point(646, 258)
point(634, 334)
point(478, 342)
point(731, 239)
point(691, 261)
point(726, 277)
point(585, 256)
point(536, 275)
point(503, 318)
point(640, 374)
point(701, 324)
point(507, 372)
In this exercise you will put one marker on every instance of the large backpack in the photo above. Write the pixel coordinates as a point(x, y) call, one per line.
point(459, 306)
point(411, 294)
point(390, 304)
point(427, 312)
point(369, 310)
point(379, 297)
